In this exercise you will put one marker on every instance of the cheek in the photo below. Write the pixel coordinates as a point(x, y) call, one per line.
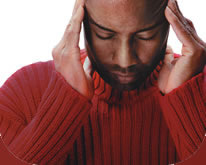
point(152, 50)
point(103, 49)
point(147, 50)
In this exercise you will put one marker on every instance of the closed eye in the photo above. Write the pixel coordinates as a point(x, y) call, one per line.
point(146, 38)
point(104, 38)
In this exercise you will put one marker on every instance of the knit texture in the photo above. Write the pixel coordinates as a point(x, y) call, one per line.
point(44, 120)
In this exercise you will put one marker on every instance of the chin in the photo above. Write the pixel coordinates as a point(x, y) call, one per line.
point(126, 87)
point(122, 85)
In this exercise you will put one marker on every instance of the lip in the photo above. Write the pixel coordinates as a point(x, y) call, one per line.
point(123, 75)
point(124, 78)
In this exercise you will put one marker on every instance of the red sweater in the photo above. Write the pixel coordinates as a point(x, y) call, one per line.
point(44, 120)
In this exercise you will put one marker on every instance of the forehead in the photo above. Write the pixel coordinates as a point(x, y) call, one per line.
point(126, 15)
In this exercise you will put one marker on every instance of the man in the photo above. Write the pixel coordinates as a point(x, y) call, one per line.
point(136, 102)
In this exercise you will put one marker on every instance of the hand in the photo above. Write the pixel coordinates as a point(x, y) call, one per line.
point(66, 55)
point(176, 71)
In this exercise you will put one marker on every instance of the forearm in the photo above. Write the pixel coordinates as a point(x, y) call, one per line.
point(185, 112)
point(56, 124)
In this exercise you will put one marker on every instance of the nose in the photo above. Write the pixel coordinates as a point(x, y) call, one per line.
point(124, 55)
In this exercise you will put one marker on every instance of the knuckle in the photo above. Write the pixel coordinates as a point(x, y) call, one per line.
point(64, 54)
point(71, 32)
point(75, 50)
point(75, 19)
point(67, 54)
point(189, 28)
point(69, 25)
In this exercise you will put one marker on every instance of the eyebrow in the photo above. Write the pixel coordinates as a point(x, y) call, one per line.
point(139, 31)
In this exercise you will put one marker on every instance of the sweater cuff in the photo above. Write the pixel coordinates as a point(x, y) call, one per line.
point(60, 80)
point(185, 113)
point(57, 123)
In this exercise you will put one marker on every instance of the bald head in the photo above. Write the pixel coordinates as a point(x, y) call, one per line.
point(155, 6)
point(130, 12)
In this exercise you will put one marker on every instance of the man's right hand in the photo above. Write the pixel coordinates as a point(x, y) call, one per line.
point(67, 59)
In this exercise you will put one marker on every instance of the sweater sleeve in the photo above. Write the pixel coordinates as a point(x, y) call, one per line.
point(40, 116)
point(184, 109)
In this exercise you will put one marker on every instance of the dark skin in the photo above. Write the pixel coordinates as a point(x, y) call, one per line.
point(126, 38)
point(128, 57)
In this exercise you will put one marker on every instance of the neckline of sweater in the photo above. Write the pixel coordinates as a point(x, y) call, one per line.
point(109, 94)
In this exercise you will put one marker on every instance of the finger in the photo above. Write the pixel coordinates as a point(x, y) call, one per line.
point(174, 61)
point(76, 5)
point(165, 69)
point(72, 33)
point(196, 37)
point(169, 58)
point(188, 24)
point(173, 5)
point(181, 31)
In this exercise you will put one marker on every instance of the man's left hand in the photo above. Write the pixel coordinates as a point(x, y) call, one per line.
point(176, 71)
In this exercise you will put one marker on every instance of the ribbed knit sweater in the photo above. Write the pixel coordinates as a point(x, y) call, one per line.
point(44, 120)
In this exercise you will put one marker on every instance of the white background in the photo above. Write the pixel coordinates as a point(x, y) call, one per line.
point(29, 29)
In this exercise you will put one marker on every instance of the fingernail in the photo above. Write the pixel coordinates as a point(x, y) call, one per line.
point(176, 55)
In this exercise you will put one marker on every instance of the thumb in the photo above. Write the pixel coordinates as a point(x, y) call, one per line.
point(169, 55)
point(166, 69)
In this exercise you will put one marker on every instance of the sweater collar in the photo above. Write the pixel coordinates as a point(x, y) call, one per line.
point(111, 95)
